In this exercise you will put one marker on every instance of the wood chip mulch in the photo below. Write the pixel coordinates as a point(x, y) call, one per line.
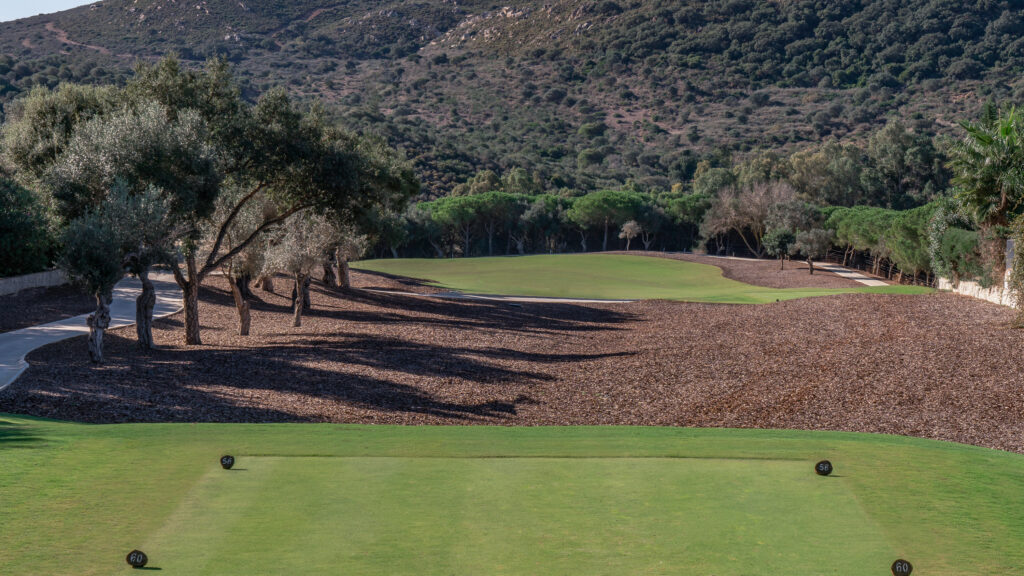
point(42, 305)
point(936, 366)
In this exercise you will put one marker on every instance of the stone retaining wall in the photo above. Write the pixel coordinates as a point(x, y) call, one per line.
point(38, 280)
point(1001, 295)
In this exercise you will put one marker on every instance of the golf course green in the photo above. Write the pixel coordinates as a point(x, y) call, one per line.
point(346, 499)
point(598, 276)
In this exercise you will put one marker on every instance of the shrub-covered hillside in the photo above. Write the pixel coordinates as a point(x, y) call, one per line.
point(584, 93)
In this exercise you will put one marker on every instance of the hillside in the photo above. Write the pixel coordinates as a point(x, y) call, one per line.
point(582, 93)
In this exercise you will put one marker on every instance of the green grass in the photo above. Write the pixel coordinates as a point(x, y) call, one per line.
point(332, 499)
point(599, 276)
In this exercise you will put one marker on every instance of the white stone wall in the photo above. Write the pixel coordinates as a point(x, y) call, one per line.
point(38, 280)
point(1001, 295)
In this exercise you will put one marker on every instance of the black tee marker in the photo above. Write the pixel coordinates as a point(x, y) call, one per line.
point(901, 568)
point(227, 462)
point(823, 468)
point(137, 558)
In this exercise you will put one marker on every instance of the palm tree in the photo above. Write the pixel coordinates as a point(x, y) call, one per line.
point(988, 168)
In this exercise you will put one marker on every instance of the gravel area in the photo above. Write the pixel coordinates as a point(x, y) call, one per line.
point(936, 366)
point(42, 306)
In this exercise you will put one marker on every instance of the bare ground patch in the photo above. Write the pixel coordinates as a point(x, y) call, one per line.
point(936, 366)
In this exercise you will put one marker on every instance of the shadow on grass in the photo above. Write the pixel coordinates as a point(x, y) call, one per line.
point(17, 436)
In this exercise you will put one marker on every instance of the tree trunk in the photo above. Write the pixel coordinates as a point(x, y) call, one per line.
point(346, 277)
point(267, 284)
point(394, 252)
point(583, 240)
point(98, 322)
point(782, 262)
point(604, 243)
point(190, 295)
point(144, 311)
point(465, 243)
point(330, 278)
point(243, 286)
point(241, 306)
point(648, 239)
point(490, 240)
point(628, 241)
point(810, 265)
point(300, 297)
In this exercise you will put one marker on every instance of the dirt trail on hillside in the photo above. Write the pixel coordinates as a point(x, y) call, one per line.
point(62, 36)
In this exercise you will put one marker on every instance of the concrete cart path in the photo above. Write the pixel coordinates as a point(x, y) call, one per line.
point(15, 345)
point(850, 274)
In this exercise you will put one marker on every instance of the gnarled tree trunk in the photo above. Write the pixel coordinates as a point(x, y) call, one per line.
point(583, 240)
point(190, 299)
point(267, 284)
point(144, 305)
point(241, 306)
point(243, 286)
point(299, 299)
point(98, 322)
point(330, 278)
point(810, 265)
point(344, 272)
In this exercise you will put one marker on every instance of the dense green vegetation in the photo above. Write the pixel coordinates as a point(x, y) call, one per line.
point(601, 276)
point(25, 238)
point(463, 499)
point(587, 94)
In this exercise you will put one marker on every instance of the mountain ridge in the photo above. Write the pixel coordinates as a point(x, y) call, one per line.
point(583, 93)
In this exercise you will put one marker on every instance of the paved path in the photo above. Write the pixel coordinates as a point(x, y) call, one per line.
point(499, 298)
point(850, 274)
point(15, 345)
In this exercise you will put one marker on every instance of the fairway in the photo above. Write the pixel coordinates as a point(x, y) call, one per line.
point(342, 499)
point(599, 276)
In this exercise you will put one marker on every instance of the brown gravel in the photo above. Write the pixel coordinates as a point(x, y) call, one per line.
point(938, 366)
point(42, 305)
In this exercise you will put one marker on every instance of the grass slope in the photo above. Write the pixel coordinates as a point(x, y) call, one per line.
point(601, 276)
point(328, 499)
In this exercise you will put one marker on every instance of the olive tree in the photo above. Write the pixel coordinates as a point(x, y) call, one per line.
point(778, 242)
point(629, 231)
point(813, 244)
point(92, 260)
point(166, 163)
point(298, 250)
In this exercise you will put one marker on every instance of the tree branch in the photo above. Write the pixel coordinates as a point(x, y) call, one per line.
point(245, 243)
point(227, 223)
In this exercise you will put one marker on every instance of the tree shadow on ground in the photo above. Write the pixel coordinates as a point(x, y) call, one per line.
point(343, 368)
point(310, 380)
point(540, 318)
point(17, 436)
